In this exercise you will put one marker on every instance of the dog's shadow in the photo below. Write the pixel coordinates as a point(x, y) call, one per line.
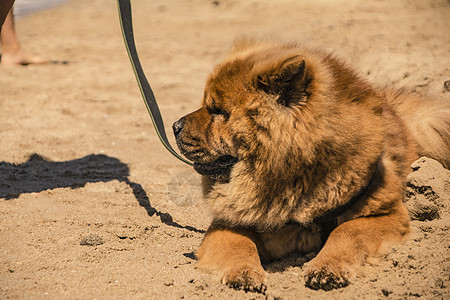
point(39, 174)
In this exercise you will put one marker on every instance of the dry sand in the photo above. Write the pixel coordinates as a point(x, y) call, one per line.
point(92, 206)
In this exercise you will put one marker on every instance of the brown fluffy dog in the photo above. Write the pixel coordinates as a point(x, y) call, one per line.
point(291, 144)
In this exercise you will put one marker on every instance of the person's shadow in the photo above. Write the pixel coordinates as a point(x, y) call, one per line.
point(39, 174)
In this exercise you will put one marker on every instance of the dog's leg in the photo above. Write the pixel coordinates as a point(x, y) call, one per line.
point(233, 254)
point(350, 244)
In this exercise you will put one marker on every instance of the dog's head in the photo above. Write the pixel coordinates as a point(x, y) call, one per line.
point(246, 100)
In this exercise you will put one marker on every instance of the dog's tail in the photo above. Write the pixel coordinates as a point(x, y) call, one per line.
point(428, 121)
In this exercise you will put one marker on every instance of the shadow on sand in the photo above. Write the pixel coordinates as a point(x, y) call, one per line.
point(38, 174)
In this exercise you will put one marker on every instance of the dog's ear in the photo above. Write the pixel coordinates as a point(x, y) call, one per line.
point(290, 81)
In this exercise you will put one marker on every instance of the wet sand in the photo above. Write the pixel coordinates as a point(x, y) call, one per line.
point(23, 8)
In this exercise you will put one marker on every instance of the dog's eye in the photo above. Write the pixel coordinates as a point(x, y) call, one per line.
point(218, 112)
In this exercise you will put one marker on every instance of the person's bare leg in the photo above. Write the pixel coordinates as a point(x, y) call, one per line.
point(5, 7)
point(12, 53)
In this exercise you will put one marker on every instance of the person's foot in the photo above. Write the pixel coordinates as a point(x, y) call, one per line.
point(21, 57)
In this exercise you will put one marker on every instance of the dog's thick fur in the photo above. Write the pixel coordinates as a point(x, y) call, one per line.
point(287, 134)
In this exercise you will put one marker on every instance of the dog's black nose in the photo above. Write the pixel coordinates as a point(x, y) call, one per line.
point(178, 126)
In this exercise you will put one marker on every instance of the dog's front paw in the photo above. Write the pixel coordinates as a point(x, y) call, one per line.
point(325, 280)
point(246, 277)
point(327, 276)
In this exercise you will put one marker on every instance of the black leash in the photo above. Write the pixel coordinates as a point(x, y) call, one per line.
point(126, 24)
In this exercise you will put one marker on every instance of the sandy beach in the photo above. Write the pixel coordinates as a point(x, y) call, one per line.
point(93, 207)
